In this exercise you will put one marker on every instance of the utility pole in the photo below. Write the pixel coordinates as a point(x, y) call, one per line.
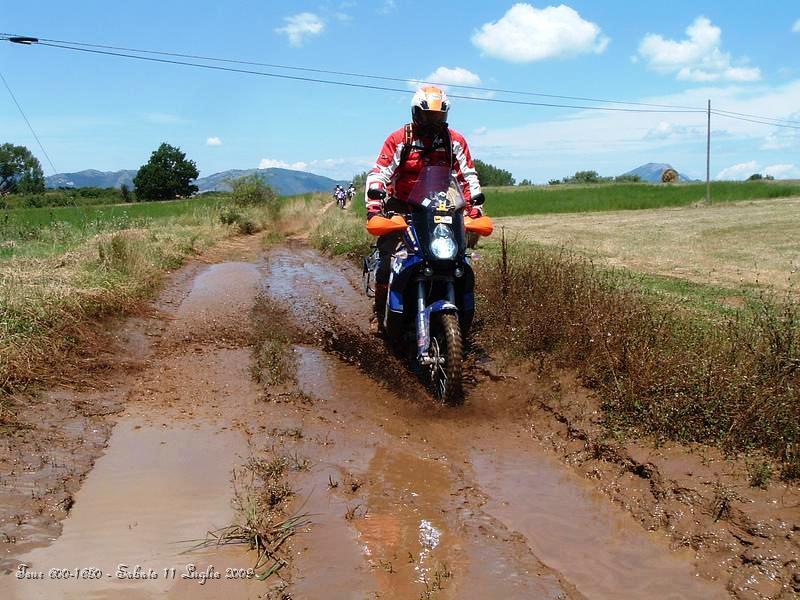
point(708, 155)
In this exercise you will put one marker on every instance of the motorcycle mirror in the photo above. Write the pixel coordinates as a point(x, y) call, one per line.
point(376, 194)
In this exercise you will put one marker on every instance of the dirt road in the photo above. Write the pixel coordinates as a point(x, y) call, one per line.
point(406, 499)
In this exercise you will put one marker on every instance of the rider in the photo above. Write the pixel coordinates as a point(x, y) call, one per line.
point(351, 191)
point(427, 140)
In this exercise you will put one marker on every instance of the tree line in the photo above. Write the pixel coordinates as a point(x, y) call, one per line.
point(167, 175)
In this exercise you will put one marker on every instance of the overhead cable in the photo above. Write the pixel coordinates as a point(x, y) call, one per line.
point(22, 112)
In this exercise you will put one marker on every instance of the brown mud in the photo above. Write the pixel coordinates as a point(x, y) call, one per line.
point(517, 494)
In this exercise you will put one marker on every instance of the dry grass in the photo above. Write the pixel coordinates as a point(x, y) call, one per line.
point(733, 382)
point(733, 245)
point(49, 305)
point(261, 493)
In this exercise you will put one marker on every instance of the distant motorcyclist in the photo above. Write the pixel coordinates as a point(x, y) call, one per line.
point(427, 140)
point(340, 196)
point(351, 192)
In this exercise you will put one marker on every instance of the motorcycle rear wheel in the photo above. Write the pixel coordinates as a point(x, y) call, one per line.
point(447, 352)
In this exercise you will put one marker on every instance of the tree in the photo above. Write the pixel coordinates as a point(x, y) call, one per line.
point(628, 178)
point(251, 190)
point(167, 175)
point(526, 182)
point(491, 175)
point(125, 192)
point(20, 171)
point(755, 177)
point(586, 177)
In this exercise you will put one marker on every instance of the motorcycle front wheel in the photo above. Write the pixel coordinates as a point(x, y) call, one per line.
point(447, 354)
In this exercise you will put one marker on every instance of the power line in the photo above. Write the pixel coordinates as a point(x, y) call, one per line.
point(721, 112)
point(36, 137)
point(122, 52)
point(730, 116)
point(729, 112)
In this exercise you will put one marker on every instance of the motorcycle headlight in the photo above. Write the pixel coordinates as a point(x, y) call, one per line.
point(443, 245)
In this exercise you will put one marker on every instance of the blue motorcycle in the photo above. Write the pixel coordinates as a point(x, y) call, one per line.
point(431, 301)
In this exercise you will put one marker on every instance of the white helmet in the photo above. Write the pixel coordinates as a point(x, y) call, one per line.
point(429, 108)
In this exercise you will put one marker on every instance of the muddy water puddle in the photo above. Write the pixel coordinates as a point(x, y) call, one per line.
point(411, 532)
point(577, 532)
point(299, 276)
point(474, 508)
point(155, 488)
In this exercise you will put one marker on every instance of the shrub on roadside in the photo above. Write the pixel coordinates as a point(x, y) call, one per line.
point(252, 191)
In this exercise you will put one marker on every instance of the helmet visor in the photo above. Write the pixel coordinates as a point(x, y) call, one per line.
point(432, 119)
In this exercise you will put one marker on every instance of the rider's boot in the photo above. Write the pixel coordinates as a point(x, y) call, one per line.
point(381, 294)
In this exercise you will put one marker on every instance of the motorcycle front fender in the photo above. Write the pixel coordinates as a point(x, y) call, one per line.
point(424, 323)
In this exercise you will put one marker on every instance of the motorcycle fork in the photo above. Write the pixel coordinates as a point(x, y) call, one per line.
point(423, 317)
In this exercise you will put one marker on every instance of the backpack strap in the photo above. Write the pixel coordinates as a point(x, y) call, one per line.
point(408, 142)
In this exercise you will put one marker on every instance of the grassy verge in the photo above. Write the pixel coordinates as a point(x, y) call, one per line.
point(342, 232)
point(69, 274)
point(633, 196)
point(732, 382)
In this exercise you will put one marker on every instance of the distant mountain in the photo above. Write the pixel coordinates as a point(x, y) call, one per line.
point(652, 172)
point(284, 181)
point(91, 178)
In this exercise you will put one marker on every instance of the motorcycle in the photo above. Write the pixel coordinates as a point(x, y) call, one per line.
point(431, 301)
point(341, 198)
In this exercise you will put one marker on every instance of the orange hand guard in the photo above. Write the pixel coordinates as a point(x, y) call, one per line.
point(379, 226)
point(482, 225)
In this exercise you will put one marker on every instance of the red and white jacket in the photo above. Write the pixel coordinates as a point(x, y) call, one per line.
point(398, 179)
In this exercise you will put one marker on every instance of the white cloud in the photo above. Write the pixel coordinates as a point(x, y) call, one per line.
point(786, 171)
point(782, 138)
point(672, 131)
point(744, 170)
point(271, 163)
point(301, 26)
point(213, 141)
point(796, 26)
point(613, 143)
point(480, 131)
point(455, 76)
point(740, 171)
point(528, 34)
point(697, 58)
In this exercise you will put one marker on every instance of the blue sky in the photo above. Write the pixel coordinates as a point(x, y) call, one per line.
point(109, 113)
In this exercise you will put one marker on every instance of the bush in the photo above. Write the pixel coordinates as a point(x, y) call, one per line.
point(248, 226)
point(35, 201)
point(252, 191)
point(229, 216)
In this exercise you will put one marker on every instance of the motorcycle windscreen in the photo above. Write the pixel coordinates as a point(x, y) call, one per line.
point(435, 184)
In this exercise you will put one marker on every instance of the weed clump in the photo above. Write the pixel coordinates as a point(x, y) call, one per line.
point(733, 382)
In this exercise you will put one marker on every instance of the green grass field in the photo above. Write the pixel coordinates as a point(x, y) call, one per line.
point(510, 201)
